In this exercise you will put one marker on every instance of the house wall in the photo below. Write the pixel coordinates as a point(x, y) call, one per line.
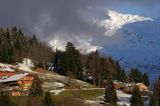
point(26, 82)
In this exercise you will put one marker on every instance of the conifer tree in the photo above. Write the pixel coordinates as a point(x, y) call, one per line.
point(12, 54)
point(36, 88)
point(48, 99)
point(110, 93)
point(136, 99)
point(72, 60)
point(156, 91)
point(34, 39)
point(135, 75)
point(153, 101)
point(104, 74)
point(20, 32)
point(145, 79)
point(35, 93)
point(120, 73)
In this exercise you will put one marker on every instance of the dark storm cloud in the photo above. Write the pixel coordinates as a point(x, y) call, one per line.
point(64, 14)
point(50, 15)
point(64, 18)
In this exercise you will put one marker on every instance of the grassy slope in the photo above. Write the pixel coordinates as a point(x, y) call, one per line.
point(48, 78)
point(84, 94)
point(89, 94)
point(19, 100)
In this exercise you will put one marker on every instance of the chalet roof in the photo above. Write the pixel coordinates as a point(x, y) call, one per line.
point(8, 74)
point(140, 83)
point(15, 77)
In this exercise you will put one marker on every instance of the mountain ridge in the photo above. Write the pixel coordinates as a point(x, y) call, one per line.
point(140, 46)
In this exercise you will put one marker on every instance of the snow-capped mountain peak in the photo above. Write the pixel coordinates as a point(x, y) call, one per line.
point(117, 20)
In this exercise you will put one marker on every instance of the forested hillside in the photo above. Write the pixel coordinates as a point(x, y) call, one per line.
point(14, 46)
point(92, 67)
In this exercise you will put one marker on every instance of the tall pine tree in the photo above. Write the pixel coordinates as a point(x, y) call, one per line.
point(110, 93)
point(48, 99)
point(135, 75)
point(72, 61)
point(36, 88)
point(35, 93)
point(136, 99)
point(156, 91)
point(153, 101)
point(145, 79)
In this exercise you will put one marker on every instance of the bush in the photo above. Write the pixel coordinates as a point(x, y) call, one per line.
point(36, 88)
point(110, 93)
point(48, 99)
point(5, 100)
point(136, 99)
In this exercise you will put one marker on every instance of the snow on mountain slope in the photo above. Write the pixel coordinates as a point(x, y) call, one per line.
point(117, 20)
point(139, 44)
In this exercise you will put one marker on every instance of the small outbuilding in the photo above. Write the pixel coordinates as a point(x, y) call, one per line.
point(118, 85)
point(142, 87)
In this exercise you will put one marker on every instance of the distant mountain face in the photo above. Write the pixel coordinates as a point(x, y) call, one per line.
point(117, 20)
point(139, 44)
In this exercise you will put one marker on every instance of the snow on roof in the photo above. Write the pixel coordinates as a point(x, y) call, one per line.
point(15, 77)
point(140, 83)
point(6, 67)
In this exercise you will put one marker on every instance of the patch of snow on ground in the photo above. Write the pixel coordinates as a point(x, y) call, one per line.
point(56, 92)
point(123, 98)
point(58, 85)
point(24, 67)
point(28, 62)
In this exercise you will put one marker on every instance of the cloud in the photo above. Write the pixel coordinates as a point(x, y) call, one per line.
point(60, 21)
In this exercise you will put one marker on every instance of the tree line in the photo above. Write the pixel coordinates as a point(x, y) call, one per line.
point(94, 68)
point(91, 67)
point(14, 46)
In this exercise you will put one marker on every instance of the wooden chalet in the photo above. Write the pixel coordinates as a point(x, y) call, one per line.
point(17, 84)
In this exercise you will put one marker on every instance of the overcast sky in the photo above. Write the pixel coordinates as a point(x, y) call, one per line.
point(69, 20)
